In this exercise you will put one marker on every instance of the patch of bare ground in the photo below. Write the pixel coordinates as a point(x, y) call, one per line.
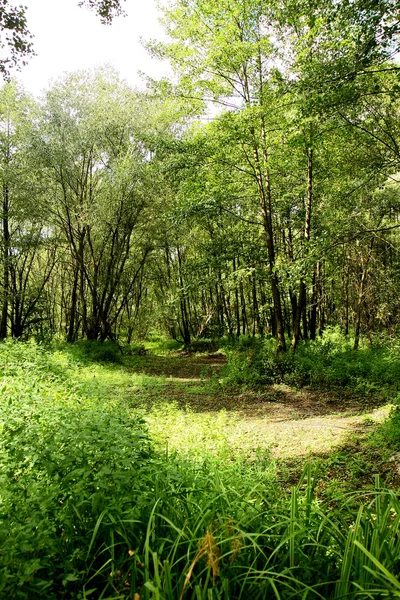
point(290, 423)
point(304, 422)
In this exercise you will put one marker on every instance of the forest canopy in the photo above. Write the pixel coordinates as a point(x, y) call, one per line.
point(256, 193)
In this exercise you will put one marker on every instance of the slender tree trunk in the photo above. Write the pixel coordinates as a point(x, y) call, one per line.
point(307, 226)
point(261, 312)
point(359, 310)
point(6, 264)
point(313, 307)
point(73, 311)
point(237, 308)
point(346, 307)
point(292, 295)
point(262, 176)
point(272, 321)
point(225, 305)
point(185, 330)
point(220, 309)
point(287, 310)
point(304, 315)
point(274, 279)
point(293, 306)
point(297, 320)
point(361, 291)
point(245, 325)
point(256, 313)
point(321, 286)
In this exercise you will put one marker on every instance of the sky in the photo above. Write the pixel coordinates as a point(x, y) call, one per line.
point(69, 38)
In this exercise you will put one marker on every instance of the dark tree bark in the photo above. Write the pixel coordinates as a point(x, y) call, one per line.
point(6, 263)
point(300, 308)
point(313, 307)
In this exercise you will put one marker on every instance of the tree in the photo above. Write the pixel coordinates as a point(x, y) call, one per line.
point(16, 40)
point(22, 218)
point(274, 67)
point(105, 9)
point(98, 191)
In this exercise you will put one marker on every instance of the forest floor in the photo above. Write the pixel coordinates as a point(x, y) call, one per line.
point(291, 422)
point(134, 459)
point(190, 409)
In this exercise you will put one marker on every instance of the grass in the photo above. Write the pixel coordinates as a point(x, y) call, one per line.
point(139, 475)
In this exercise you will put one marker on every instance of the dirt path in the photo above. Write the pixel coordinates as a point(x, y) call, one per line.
point(302, 422)
point(288, 422)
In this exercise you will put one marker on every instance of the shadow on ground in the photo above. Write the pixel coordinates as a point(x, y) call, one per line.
point(353, 464)
point(183, 366)
point(194, 384)
point(186, 393)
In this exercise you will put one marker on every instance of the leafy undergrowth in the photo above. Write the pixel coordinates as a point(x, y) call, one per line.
point(96, 504)
point(326, 362)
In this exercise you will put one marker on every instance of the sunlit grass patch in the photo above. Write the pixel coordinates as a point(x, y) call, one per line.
point(192, 434)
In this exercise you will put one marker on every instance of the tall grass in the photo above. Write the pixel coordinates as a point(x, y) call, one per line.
point(88, 509)
point(200, 545)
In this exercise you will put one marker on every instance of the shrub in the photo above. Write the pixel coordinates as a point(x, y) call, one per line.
point(388, 433)
point(95, 351)
point(328, 360)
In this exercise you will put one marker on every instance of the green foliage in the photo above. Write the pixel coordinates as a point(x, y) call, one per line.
point(204, 345)
point(62, 461)
point(162, 345)
point(388, 433)
point(15, 41)
point(89, 509)
point(328, 360)
point(93, 351)
point(105, 9)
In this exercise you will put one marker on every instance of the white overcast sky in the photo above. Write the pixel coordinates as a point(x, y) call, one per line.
point(68, 38)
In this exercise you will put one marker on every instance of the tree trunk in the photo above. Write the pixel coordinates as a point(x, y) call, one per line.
point(313, 308)
point(185, 330)
point(321, 325)
point(72, 314)
point(276, 295)
point(6, 264)
point(307, 225)
point(237, 308)
point(346, 308)
point(358, 310)
point(304, 315)
point(361, 289)
point(297, 320)
point(245, 325)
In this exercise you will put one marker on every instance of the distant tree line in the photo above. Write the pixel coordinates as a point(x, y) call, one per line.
point(276, 213)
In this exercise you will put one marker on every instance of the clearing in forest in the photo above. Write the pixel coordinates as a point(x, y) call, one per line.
point(187, 407)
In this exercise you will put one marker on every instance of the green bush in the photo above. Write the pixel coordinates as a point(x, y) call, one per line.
point(388, 433)
point(94, 351)
point(162, 345)
point(204, 345)
point(328, 360)
point(63, 459)
point(134, 350)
